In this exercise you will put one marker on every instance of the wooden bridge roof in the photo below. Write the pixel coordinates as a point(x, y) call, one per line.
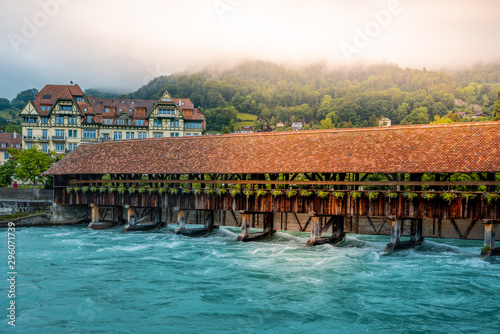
point(439, 148)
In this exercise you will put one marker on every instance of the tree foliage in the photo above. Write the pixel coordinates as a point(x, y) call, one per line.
point(32, 163)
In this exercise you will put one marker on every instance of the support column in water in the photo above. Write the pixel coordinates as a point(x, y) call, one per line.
point(181, 219)
point(490, 227)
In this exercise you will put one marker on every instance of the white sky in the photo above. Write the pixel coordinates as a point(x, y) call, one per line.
point(122, 44)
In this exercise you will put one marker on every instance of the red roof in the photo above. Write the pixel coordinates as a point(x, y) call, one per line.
point(9, 141)
point(437, 148)
point(50, 93)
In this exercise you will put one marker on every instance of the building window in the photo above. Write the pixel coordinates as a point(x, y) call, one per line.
point(79, 99)
point(6, 156)
point(45, 134)
point(105, 136)
point(18, 145)
point(72, 120)
point(174, 123)
point(60, 133)
point(45, 120)
point(90, 119)
point(72, 134)
point(174, 134)
point(142, 135)
point(30, 133)
point(117, 135)
point(30, 119)
point(157, 135)
point(120, 121)
point(130, 135)
point(47, 97)
point(188, 134)
point(4, 145)
point(157, 122)
point(59, 119)
point(30, 145)
point(89, 134)
point(139, 122)
point(45, 148)
point(60, 147)
point(66, 108)
point(72, 146)
point(166, 112)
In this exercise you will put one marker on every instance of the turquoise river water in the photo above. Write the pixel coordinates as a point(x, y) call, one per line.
point(75, 280)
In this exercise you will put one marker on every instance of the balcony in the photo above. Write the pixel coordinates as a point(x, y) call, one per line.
point(166, 115)
point(36, 138)
point(59, 138)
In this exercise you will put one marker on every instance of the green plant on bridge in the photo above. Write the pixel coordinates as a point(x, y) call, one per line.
point(162, 190)
point(306, 193)
point(76, 189)
point(103, 189)
point(429, 196)
point(410, 196)
point(468, 197)
point(490, 198)
point(248, 192)
point(355, 195)
point(221, 192)
point(291, 193)
point(197, 191)
point(94, 189)
point(277, 193)
point(186, 191)
point(131, 190)
point(112, 189)
point(391, 195)
point(142, 190)
point(261, 192)
point(209, 191)
point(85, 189)
point(339, 194)
point(324, 194)
point(69, 190)
point(373, 195)
point(121, 189)
point(449, 197)
point(174, 191)
point(235, 192)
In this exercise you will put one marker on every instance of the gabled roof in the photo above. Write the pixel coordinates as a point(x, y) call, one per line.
point(51, 93)
point(437, 148)
point(9, 140)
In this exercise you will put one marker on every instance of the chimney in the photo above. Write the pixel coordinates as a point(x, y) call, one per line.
point(15, 135)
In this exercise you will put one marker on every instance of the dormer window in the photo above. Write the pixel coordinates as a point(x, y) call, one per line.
point(106, 109)
point(79, 99)
point(47, 97)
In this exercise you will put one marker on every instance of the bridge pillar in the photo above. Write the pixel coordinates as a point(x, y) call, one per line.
point(181, 219)
point(156, 213)
point(267, 232)
point(209, 219)
point(337, 224)
point(490, 227)
point(130, 215)
point(118, 214)
point(94, 214)
point(415, 235)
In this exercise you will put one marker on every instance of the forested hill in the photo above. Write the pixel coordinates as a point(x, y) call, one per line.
point(339, 97)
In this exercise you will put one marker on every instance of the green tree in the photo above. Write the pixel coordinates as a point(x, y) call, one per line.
point(31, 163)
point(226, 130)
point(327, 124)
point(6, 171)
point(417, 116)
point(496, 113)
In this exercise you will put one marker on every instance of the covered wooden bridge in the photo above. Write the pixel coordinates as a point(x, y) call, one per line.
point(427, 180)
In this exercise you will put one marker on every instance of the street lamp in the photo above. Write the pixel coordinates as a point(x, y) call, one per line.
point(12, 181)
point(36, 182)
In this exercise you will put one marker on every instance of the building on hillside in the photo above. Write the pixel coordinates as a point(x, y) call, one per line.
point(297, 125)
point(384, 122)
point(280, 124)
point(9, 140)
point(246, 129)
point(61, 117)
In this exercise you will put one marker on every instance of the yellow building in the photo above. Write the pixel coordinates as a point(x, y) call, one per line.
point(61, 117)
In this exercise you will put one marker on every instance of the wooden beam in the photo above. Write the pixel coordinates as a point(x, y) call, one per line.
point(456, 228)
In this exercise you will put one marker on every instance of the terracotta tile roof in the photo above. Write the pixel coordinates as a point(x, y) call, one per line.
point(459, 147)
point(50, 93)
point(9, 141)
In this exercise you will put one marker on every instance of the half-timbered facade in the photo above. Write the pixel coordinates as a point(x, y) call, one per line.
point(62, 116)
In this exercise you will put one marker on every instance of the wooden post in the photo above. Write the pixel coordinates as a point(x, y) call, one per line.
point(181, 219)
point(209, 219)
point(130, 216)
point(489, 249)
point(156, 213)
point(315, 227)
point(245, 226)
point(94, 209)
point(338, 227)
point(416, 230)
point(396, 230)
point(268, 223)
point(117, 214)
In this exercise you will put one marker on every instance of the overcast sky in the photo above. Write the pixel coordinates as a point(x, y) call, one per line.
point(122, 44)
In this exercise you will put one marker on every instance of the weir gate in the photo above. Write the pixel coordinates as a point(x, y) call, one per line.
point(419, 181)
